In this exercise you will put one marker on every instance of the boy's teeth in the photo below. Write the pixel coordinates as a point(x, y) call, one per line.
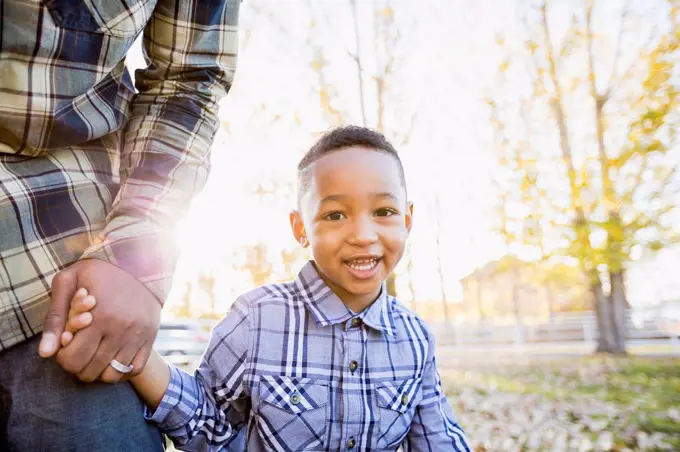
point(363, 264)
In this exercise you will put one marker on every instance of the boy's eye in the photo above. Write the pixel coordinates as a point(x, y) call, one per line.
point(385, 212)
point(334, 216)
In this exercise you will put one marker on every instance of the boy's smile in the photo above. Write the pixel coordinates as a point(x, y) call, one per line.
point(356, 219)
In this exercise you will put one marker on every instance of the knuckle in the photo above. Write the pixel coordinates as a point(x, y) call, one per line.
point(109, 377)
point(53, 317)
point(138, 323)
point(100, 363)
point(58, 278)
point(61, 278)
point(118, 321)
point(142, 333)
point(69, 367)
point(86, 378)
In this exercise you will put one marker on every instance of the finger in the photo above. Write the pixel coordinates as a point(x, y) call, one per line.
point(78, 296)
point(66, 338)
point(139, 362)
point(126, 357)
point(80, 351)
point(141, 358)
point(79, 322)
point(63, 287)
point(108, 349)
point(80, 305)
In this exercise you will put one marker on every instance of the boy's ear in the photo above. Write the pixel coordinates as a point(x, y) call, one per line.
point(298, 228)
point(408, 218)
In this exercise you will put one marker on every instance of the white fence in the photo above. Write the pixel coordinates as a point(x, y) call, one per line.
point(564, 328)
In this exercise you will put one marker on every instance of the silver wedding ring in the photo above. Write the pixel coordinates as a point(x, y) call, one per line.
point(120, 367)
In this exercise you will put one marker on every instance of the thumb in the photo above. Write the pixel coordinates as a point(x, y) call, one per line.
point(63, 287)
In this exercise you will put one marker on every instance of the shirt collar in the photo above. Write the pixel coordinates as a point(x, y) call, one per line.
point(328, 309)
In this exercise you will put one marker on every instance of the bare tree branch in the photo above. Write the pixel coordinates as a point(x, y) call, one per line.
point(619, 45)
point(617, 82)
point(357, 60)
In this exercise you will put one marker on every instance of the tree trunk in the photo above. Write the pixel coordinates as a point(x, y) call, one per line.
point(478, 289)
point(519, 327)
point(440, 267)
point(582, 227)
point(411, 282)
point(617, 301)
point(186, 298)
point(550, 296)
point(605, 339)
point(445, 303)
point(617, 293)
point(357, 60)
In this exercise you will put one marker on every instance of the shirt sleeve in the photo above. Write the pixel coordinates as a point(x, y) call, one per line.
point(434, 427)
point(209, 411)
point(190, 47)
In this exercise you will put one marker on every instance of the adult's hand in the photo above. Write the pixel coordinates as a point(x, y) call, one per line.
point(124, 326)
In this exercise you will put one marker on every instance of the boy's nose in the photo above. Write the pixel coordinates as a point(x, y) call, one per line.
point(364, 232)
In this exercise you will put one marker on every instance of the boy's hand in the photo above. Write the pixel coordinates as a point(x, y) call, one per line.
point(124, 325)
point(151, 383)
point(79, 316)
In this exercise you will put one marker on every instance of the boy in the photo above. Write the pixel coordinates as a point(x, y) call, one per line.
point(328, 361)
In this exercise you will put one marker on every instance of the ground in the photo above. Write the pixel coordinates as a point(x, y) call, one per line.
point(594, 403)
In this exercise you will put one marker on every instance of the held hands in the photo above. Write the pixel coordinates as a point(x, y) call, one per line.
point(120, 324)
point(79, 316)
point(150, 384)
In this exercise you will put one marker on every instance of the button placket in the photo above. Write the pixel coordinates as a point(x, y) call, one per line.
point(352, 330)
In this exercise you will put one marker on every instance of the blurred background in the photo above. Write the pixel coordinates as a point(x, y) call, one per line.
point(540, 142)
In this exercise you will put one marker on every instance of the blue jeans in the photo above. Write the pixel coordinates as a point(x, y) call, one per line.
point(45, 408)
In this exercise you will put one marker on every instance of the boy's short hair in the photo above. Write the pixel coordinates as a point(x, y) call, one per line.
point(341, 138)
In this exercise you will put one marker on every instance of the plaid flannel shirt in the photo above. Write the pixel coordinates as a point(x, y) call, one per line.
point(88, 167)
point(290, 368)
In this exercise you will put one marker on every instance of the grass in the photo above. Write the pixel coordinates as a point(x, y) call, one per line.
point(642, 392)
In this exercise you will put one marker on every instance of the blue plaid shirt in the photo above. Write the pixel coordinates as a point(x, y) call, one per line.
point(90, 165)
point(290, 368)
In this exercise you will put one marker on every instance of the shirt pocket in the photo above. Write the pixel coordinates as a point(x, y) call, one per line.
point(292, 414)
point(397, 402)
point(122, 18)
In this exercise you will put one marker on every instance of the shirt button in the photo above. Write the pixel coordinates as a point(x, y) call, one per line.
point(295, 398)
point(404, 399)
point(351, 443)
point(356, 321)
point(353, 366)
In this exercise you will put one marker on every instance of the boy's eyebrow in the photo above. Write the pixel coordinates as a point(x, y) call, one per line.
point(386, 195)
point(373, 195)
point(333, 198)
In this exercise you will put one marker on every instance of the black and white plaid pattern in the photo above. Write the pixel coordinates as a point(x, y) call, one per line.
point(296, 395)
point(277, 376)
point(398, 396)
point(88, 167)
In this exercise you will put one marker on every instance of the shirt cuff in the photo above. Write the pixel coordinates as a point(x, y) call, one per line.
point(179, 404)
point(140, 251)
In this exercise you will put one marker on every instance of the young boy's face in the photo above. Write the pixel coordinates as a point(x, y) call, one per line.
point(356, 219)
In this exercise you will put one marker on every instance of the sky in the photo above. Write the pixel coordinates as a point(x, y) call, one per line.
point(447, 58)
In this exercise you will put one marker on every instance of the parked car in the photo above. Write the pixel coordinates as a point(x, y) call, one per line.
point(181, 342)
point(668, 318)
